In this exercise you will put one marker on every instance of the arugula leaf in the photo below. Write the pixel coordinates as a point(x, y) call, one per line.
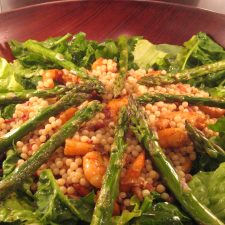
point(127, 216)
point(18, 209)
point(54, 206)
point(209, 188)
point(79, 50)
point(57, 43)
point(153, 212)
point(29, 59)
point(49, 206)
point(163, 213)
point(108, 50)
point(82, 50)
point(33, 61)
point(7, 111)
point(200, 50)
point(218, 92)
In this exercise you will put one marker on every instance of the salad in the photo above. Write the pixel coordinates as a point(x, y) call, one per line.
point(116, 132)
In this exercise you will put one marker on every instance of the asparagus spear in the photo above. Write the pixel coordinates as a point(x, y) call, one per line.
point(29, 167)
point(110, 187)
point(70, 99)
point(184, 75)
point(119, 83)
point(203, 144)
point(150, 98)
point(60, 60)
point(18, 97)
point(149, 139)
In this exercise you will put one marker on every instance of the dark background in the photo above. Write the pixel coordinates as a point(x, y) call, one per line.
point(213, 5)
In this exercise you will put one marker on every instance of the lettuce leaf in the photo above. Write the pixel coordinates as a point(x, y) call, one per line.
point(8, 81)
point(219, 126)
point(9, 164)
point(209, 189)
point(27, 77)
point(15, 77)
point(199, 50)
point(148, 55)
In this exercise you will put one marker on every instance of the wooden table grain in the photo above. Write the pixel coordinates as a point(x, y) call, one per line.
point(159, 22)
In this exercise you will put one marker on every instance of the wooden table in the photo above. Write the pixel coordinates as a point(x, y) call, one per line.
point(213, 5)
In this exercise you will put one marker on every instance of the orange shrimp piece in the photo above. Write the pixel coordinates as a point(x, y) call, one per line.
point(75, 148)
point(133, 173)
point(66, 115)
point(115, 104)
point(212, 111)
point(94, 167)
point(173, 138)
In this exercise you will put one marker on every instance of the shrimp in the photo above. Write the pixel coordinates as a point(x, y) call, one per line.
point(74, 147)
point(173, 138)
point(133, 173)
point(114, 106)
point(66, 115)
point(212, 111)
point(94, 166)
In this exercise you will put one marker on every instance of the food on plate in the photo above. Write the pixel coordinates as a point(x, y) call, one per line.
point(115, 132)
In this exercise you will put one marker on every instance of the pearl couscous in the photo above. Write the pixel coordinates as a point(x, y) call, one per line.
point(79, 174)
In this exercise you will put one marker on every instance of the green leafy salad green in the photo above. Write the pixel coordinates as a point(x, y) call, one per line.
point(38, 200)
